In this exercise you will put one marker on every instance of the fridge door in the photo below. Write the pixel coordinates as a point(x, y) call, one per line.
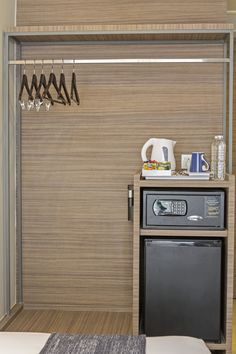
point(182, 288)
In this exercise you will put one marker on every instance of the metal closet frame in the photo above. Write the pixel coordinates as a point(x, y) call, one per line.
point(12, 57)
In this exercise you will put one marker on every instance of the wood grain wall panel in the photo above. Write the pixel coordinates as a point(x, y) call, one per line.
point(234, 155)
point(78, 161)
point(57, 12)
point(122, 32)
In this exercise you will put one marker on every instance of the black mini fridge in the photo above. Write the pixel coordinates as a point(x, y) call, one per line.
point(182, 287)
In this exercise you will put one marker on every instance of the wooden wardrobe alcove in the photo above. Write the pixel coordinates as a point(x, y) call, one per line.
point(78, 161)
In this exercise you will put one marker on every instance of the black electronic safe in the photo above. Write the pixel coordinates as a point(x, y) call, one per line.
point(182, 209)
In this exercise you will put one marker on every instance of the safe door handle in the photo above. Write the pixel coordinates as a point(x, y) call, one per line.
point(195, 218)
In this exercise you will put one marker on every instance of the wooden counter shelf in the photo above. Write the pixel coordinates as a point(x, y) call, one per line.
point(184, 183)
point(216, 346)
point(225, 347)
point(183, 233)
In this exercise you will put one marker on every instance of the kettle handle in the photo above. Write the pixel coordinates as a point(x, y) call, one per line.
point(150, 142)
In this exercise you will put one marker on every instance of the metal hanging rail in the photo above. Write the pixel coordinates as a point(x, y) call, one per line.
point(117, 61)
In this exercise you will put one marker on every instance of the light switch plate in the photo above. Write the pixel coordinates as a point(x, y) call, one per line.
point(185, 161)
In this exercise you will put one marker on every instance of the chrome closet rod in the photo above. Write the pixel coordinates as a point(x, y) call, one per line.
point(117, 61)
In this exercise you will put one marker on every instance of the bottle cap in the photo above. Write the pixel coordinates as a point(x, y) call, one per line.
point(219, 137)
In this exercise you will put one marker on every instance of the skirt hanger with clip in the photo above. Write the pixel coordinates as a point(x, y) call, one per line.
point(47, 99)
point(62, 85)
point(34, 86)
point(25, 85)
point(53, 82)
point(74, 87)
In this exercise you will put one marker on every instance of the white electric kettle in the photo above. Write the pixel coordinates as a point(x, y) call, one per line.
point(162, 151)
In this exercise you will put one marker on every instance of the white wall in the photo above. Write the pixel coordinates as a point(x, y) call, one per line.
point(7, 18)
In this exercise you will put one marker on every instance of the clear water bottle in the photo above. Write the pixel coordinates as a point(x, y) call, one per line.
point(218, 158)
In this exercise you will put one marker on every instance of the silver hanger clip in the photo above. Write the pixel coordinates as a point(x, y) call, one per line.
point(22, 105)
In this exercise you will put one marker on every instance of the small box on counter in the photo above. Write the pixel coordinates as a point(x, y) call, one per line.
point(156, 169)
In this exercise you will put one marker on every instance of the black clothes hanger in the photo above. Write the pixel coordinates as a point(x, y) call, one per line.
point(43, 84)
point(62, 85)
point(24, 85)
point(53, 81)
point(34, 83)
point(74, 88)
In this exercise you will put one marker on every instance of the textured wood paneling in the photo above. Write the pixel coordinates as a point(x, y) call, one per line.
point(136, 255)
point(112, 32)
point(234, 328)
point(127, 27)
point(58, 12)
point(77, 162)
point(231, 5)
point(71, 322)
point(229, 257)
point(234, 154)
